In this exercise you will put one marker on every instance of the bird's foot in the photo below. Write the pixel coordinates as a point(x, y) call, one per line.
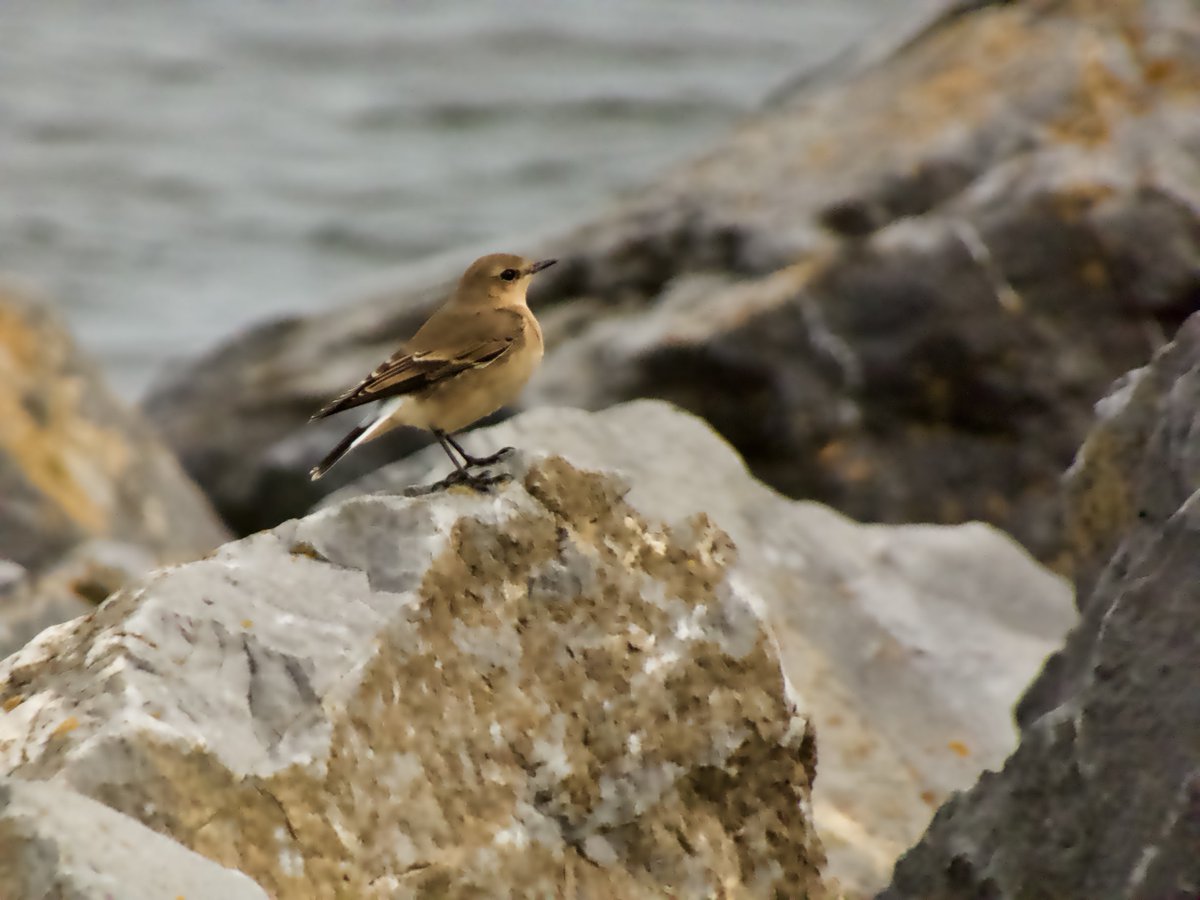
point(478, 481)
point(478, 462)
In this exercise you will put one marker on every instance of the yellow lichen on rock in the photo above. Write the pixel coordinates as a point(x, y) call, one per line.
point(68, 458)
point(519, 695)
point(76, 463)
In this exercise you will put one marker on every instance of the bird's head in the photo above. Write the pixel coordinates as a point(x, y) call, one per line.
point(501, 277)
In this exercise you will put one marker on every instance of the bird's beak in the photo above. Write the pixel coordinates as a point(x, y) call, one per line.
point(541, 264)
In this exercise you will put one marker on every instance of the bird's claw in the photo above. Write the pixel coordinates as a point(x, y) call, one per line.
point(482, 481)
point(478, 462)
point(478, 481)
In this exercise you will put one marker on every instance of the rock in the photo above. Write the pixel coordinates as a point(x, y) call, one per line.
point(1102, 797)
point(72, 587)
point(11, 575)
point(25, 611)
point(75, 463)
point(909, 645)
point(897, 290)
point(536, 692)
point(55, 843)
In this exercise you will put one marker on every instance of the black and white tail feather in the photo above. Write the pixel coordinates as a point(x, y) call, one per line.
point(357, 435)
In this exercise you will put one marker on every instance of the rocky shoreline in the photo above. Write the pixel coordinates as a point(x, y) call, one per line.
point(777, 600)
point(898, 290)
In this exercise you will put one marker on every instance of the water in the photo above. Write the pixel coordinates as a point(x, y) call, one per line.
point(170, 172)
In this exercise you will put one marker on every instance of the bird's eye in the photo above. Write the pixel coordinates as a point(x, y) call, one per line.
point(509, 274)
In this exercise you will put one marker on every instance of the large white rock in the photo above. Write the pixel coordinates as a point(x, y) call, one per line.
point(909, 644)
point(536, 693)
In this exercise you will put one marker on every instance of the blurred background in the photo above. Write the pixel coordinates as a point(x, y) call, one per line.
point(954, 280)
point(171, 172)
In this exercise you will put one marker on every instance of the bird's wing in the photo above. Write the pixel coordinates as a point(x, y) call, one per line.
point(450, 343)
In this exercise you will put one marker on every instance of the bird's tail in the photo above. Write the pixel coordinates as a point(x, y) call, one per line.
point(344, 446)
point(374, 424)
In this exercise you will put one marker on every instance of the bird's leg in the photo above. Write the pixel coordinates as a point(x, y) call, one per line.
point(474, 462)
point(461, 473)
point(442, 439)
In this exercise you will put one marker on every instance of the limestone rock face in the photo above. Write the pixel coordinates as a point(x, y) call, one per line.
point(909, 644)
point(75, 463)
point(898, 290)
point(55, 843)
point(538, 692)
point(1102, 797)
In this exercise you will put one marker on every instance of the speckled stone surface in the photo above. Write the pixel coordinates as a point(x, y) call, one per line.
point(909, 644)
point(518, 694)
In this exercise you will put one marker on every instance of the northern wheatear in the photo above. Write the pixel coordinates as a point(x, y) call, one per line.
point(472, 356)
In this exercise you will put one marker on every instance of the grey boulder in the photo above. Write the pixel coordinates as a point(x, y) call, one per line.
point(1102, 797)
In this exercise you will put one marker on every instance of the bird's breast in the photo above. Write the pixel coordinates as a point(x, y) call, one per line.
point(470, 396)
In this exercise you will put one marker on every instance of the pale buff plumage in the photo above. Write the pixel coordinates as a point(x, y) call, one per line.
point(471, 357)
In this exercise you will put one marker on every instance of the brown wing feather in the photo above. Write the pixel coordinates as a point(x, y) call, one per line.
point(422, 362)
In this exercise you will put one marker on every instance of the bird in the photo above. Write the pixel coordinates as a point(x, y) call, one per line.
point(471, 357)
